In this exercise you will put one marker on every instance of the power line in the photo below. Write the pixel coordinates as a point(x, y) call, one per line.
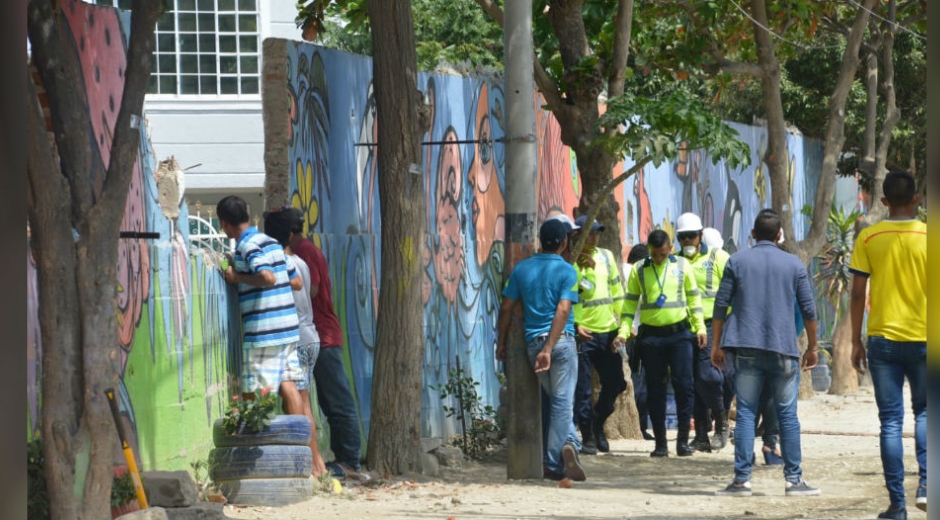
point(905, 29)
point(781, 38)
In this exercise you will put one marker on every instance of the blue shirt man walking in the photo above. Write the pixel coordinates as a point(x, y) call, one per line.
point(761, 284)
point(545, 285)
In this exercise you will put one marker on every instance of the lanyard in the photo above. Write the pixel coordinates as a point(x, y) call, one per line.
point(660, 282)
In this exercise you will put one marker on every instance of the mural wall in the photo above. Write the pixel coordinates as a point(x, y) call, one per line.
point(173, 306)
point(332, 123)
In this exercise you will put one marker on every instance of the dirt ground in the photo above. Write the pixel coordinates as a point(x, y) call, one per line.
point(840, 455)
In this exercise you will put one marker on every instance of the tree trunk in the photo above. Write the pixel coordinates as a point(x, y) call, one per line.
point(806, 378)
point(844, 377)
point(878, 210)
point(73, 198)
point(395, 432)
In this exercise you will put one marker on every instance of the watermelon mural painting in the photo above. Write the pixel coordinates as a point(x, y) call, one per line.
point(172, 303)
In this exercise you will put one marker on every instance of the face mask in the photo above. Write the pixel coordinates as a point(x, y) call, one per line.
point(689, 250)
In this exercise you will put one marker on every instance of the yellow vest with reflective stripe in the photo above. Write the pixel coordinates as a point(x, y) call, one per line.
point(683, 300)
point(598, 308)
point(709, 266)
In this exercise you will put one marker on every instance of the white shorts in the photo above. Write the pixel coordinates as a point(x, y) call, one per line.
point(267, 367)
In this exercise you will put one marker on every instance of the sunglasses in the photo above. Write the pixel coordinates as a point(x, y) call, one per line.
point(687, 235)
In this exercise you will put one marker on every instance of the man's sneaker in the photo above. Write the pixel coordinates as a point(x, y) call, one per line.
point(922, 498)
point(573, 468)
point(735, 489)
point(801, 489)
point(894, 513)
point(548, 474)
point(589, 447)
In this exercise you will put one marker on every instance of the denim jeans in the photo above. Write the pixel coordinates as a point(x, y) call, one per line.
point(557, 385)
point(336, 401)
point(890, 362)
point(595, 354)
point(709, 382)
point(753, 367)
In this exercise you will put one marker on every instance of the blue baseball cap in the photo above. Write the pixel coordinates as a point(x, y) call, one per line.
point(595, 226)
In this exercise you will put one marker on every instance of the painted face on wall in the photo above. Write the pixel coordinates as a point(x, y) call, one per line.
point(488, 202)
point(448, 255)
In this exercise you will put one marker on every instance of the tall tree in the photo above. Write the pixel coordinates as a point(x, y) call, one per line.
point(402, 120)
point(74, 206)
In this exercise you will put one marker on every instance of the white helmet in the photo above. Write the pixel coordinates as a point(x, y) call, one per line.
point(688, 222)
point(711, 237)
point(566, 220)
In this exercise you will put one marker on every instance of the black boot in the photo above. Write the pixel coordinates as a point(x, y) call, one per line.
point(588, 444)
point(661, 450)
point(700, 442)
point(682, 442)
point(720, 439)
point(602, 444)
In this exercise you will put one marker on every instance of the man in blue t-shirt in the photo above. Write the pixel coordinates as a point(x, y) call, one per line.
point(545, 285)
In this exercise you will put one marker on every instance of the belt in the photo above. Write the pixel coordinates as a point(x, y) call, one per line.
point(665, 330)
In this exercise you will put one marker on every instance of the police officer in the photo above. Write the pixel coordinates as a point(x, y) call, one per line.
point(708, 264)
point(671, 327)
point(597, 320)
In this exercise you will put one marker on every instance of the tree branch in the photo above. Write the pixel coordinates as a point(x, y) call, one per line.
point(60, 70)
point(125, 148)
point(618, 62)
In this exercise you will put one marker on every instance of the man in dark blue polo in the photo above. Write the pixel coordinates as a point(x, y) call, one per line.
point(546, 287)
point(761, 284)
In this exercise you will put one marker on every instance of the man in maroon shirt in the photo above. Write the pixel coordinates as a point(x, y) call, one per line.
point(333, 391)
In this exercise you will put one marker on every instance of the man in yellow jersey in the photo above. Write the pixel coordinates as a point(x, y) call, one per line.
point(597, 319)
point(890, 258)
point(670, 320)
point(708, 264)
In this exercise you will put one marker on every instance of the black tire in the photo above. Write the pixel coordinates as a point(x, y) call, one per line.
point(291, 430)
point(253, 462)
point(270, 492)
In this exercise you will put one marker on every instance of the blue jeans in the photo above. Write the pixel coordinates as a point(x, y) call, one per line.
point(336, 401)
point(890, 362)
point(753, 367)
point(595, 354)
point(557, 384)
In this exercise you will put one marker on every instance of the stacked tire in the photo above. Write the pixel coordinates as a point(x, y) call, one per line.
point(264, 468)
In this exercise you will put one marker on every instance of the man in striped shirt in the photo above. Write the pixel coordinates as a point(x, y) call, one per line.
point(269, 319)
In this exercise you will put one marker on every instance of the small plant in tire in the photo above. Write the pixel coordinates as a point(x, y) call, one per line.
point(250, 414)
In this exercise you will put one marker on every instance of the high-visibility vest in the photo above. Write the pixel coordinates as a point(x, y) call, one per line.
point(709, 266)
point(600, 293)
point(682, 298)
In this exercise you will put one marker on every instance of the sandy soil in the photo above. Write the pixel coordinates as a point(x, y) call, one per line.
point(840, 455)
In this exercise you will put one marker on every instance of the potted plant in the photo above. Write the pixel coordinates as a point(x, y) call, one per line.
point(250, 415)
point(123, 495)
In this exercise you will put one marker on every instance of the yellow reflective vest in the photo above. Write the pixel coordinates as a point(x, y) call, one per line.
point(709, 266)
point(600, 293)
point(647, 282)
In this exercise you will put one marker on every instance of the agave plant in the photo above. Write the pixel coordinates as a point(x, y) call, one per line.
point(833, 278)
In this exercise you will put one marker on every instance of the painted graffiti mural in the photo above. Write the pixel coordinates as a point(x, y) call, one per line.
point(172, 303)
point(464, 180)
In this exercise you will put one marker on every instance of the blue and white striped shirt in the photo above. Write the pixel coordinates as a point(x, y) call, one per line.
point(269, 317)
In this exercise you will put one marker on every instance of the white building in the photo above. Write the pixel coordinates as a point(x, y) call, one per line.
point(204, 100)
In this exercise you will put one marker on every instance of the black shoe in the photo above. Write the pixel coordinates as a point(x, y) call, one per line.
point(647, 436)
point(701, 444)
point(683, 449)
point(602, 445)
point(660, 451)
point(548, 474)
point(588, 448)
point(894, 513)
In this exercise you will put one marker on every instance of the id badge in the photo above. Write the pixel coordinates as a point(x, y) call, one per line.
point(661, 300)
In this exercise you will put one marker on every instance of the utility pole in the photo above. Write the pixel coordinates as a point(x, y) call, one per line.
point(525, 418)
